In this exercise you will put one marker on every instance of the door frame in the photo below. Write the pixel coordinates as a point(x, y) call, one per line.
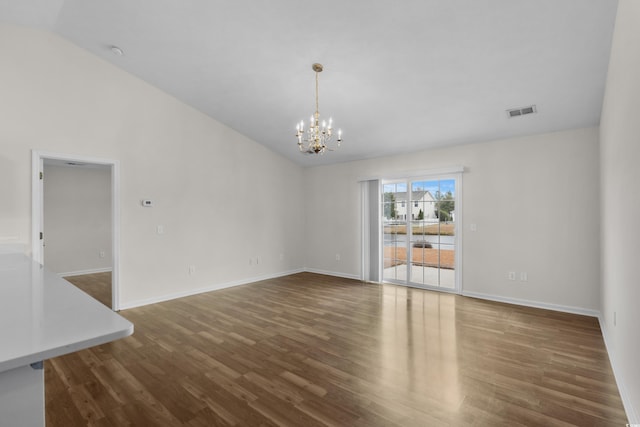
point(37, 210)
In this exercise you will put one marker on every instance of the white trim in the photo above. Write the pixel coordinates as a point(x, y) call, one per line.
point(534, 304)
point(515, 301)
point(83, 272)
point(364, 233)
point(37, 215)
point(36, 206)
point(366, 220)
point(418, 286)
point(216, 287)
point(632, 415)
point(74, 158)
point(459, 230)
point(630, 412)
point(115, 235)
point(415, 174)
point(220, 286)
point(333, 273)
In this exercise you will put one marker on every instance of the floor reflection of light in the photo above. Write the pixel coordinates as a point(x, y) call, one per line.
point(418, 347)
point(422, 275)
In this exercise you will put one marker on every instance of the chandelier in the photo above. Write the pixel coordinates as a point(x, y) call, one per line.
point(316, 138)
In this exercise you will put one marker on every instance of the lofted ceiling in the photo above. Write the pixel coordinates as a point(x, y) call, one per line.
point(399, 75)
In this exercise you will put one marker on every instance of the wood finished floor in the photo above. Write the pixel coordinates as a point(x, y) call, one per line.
point(97, 285)
point(312, 350)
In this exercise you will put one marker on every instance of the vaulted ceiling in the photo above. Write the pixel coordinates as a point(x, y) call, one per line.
point(399, 75)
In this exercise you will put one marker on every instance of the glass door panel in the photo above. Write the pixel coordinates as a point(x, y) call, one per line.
point(446, 234)
point(394, 223)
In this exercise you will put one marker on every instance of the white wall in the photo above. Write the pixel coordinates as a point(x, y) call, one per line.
point(620, 151)
point(58, 98)
point(77, 218)
point(534, 201)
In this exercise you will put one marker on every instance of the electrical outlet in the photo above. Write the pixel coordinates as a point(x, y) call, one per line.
point(523, 276)
point(160, 229)
point(258, 260)
point(512, 275)
point(192, 270)
point(102, 254)
point(337, 257)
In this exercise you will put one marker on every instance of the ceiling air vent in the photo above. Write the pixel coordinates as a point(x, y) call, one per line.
point(515, 112)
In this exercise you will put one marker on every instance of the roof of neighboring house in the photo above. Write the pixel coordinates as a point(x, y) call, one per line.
point(423, 195)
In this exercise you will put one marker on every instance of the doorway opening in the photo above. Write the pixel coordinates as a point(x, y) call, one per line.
point(75, 221)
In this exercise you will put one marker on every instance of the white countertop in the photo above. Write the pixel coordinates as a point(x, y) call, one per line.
point(44, 316)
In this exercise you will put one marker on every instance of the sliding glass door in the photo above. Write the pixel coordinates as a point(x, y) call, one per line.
point(419, 228)
point(394, 224)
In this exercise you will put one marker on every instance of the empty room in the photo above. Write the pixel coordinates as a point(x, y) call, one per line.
point(365, 213)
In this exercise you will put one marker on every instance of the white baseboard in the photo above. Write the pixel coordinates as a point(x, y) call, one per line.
point(332, 273)
point(216, 287)
point(83, 272)
point(535, 304)
point(632, 415)
point(630, 411)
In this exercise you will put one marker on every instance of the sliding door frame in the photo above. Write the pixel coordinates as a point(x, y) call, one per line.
point(455, 175)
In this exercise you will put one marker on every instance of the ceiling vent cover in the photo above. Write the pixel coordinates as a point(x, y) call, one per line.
point(516, 112)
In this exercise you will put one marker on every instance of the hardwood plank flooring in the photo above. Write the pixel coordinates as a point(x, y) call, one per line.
point(311, 350)
point(98, 285)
